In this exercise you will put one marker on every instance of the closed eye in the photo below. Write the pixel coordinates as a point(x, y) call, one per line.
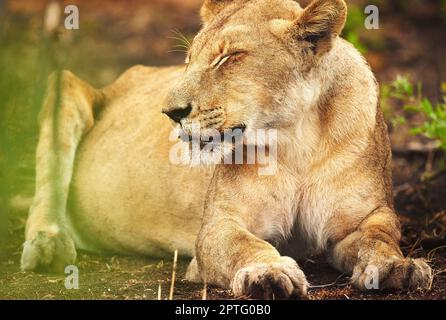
point(221, 60)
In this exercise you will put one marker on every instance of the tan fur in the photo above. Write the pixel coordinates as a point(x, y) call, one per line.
point(265, 64)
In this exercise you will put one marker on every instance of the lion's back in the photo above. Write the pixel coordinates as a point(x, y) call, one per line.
point(126, 195)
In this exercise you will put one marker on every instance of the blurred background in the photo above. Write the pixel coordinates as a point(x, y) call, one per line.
point(407, 54)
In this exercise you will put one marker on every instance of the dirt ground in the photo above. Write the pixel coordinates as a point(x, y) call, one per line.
point(131, 32)
point(421, 206)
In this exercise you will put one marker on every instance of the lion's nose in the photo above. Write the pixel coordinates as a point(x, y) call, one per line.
point(178, 113)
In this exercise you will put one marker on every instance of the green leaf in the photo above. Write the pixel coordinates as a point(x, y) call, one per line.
point(427, 108)
point(397, 121)
point(416, 131)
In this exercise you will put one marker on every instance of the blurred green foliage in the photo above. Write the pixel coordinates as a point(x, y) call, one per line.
point(434, 115)
point(355, 23)
point(24, 68)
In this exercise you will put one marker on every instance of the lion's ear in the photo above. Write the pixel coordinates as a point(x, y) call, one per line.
point(211, 8)
point(320, 23)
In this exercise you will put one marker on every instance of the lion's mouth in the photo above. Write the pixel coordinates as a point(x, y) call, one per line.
point(204, 140)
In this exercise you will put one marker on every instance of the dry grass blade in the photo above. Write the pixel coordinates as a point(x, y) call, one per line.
point(431, 254)
point(413, 247)
point(334, 283)
point(205, 291)
point(174, 270)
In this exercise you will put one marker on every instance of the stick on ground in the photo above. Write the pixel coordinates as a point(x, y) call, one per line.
point(174, 269)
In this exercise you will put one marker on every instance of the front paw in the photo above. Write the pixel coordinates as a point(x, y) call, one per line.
point(280, 280)
point(393, 273)
point(48, 251)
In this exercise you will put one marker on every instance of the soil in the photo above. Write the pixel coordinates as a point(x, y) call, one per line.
point(112, 277)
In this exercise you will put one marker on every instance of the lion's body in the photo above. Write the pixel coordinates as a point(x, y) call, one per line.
point(127, 196)
point(256, 65)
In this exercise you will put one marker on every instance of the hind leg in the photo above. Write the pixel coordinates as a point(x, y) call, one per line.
point(64, 119)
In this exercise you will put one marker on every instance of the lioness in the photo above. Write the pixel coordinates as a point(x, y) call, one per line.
point(105, 183)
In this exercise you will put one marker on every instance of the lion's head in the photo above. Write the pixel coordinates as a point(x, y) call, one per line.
point(241, 64)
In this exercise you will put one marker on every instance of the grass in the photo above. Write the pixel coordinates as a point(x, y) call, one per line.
point(433, 114)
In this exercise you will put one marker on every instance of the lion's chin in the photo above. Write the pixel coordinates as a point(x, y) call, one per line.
point(211, 153)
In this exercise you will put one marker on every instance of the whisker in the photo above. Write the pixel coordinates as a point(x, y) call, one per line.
point(181, 46)
point(183, 51)
point(182, 36)
point(184, 42)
